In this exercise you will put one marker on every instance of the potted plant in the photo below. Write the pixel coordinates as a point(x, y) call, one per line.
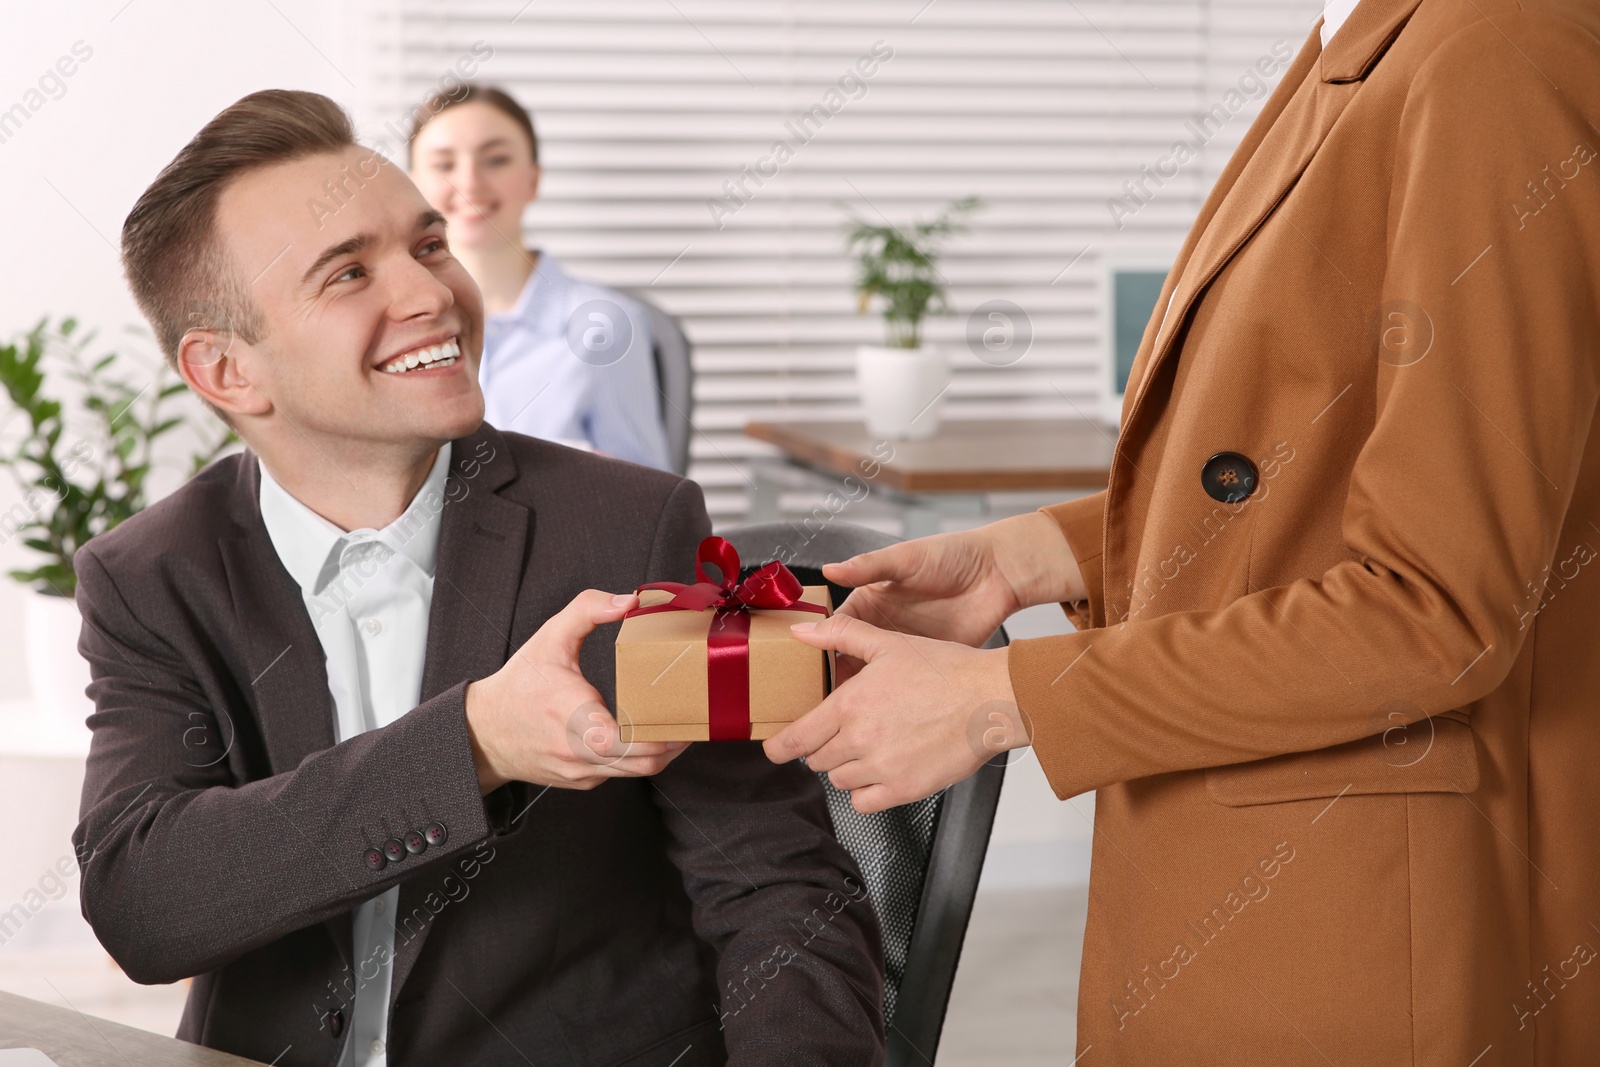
point(78, 477)
point(903, 383)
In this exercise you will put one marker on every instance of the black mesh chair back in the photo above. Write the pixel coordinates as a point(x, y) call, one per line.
point(674, 379)
point(920, 861)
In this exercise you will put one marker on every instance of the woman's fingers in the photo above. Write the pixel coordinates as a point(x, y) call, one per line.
point(892, 564)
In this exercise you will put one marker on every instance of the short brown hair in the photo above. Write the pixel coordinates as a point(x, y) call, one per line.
point(175, 263)
point(496, 98)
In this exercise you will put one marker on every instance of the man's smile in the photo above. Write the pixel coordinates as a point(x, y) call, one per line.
point(426, 358)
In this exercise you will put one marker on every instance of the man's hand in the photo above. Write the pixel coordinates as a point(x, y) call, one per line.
point(537, 719)
point(919, 716)
point(959, 586)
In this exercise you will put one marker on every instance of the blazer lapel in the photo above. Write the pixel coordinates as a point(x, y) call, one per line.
point(1285, 137)
point(288, 674)
point(1248, 145)
point(287, 671)
point(484, 541)
point(1365, 36)
point(1275, 151)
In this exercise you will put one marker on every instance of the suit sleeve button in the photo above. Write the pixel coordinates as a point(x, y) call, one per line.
point(416, 842)
point(1228, 477)
point(374, 859)
point(393, 850)
point(436, 833)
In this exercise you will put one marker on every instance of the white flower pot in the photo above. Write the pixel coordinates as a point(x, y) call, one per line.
point(56, 673)
point(902, 390)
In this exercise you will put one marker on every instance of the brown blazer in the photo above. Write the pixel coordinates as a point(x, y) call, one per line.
point(1344, 731)
point(703, 914)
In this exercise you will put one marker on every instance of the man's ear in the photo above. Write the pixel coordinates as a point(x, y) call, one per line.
point(215, 364)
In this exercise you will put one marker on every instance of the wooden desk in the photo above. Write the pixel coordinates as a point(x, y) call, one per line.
point(949, 473)
point(76, 1040)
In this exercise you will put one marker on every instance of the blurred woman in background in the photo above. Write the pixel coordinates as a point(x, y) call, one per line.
point(564, 359)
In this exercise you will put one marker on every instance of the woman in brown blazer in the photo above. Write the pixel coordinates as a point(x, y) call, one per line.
point(1335, 676)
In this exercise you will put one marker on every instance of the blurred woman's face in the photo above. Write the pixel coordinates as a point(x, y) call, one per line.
point(474, 164)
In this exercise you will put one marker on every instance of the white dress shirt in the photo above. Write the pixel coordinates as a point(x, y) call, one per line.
point(573, 362)
point(368, 593)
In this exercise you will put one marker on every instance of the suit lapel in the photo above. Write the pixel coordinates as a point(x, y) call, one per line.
point(1225, 181)
point(287, 671)
point(1276, 150)
point(1365, 36)
point(484, 542)
point(1274, 153)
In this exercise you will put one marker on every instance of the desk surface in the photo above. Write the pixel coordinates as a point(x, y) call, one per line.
point(76, 1040)
point(978, 456)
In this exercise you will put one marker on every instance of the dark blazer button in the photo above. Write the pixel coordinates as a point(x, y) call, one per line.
point(1228, 477)
point(415, 842)
point(393, 850)
point(336, 1023)
point(374, 859)
point(436, 833)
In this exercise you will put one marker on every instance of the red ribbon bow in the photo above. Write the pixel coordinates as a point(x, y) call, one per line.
point(773, 587)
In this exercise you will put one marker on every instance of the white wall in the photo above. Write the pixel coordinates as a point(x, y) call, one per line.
point(69, 173)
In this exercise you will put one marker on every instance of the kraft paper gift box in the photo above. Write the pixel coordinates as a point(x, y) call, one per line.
point(667, 676)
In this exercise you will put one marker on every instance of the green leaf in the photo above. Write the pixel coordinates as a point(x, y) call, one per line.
point(899, 268)
point(107, 485)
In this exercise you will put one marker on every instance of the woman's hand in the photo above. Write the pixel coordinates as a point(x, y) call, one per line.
point(919, 716)
point(961, 586)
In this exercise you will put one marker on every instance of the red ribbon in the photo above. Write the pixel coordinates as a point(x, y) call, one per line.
point(773, 587)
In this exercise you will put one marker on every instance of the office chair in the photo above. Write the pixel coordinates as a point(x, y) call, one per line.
point(920, 861)
point(674, 379)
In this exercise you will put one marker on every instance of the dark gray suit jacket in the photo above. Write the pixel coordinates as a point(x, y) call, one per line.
point(224, 835)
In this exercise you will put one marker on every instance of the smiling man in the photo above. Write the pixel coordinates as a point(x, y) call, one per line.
point(352, 768)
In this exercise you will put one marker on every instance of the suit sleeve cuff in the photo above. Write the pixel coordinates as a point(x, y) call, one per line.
point(424, 769)
point(1082, 523)
point(1041, 671)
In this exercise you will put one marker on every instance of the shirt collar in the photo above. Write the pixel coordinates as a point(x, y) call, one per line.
point(539, 292)
point(310, 546)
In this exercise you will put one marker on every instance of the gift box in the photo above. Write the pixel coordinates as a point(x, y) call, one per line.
point(715, 661)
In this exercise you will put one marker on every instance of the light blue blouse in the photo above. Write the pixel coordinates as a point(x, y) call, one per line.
point(573, 363)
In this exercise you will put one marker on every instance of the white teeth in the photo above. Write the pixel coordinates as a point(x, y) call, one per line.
point(433, 356)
